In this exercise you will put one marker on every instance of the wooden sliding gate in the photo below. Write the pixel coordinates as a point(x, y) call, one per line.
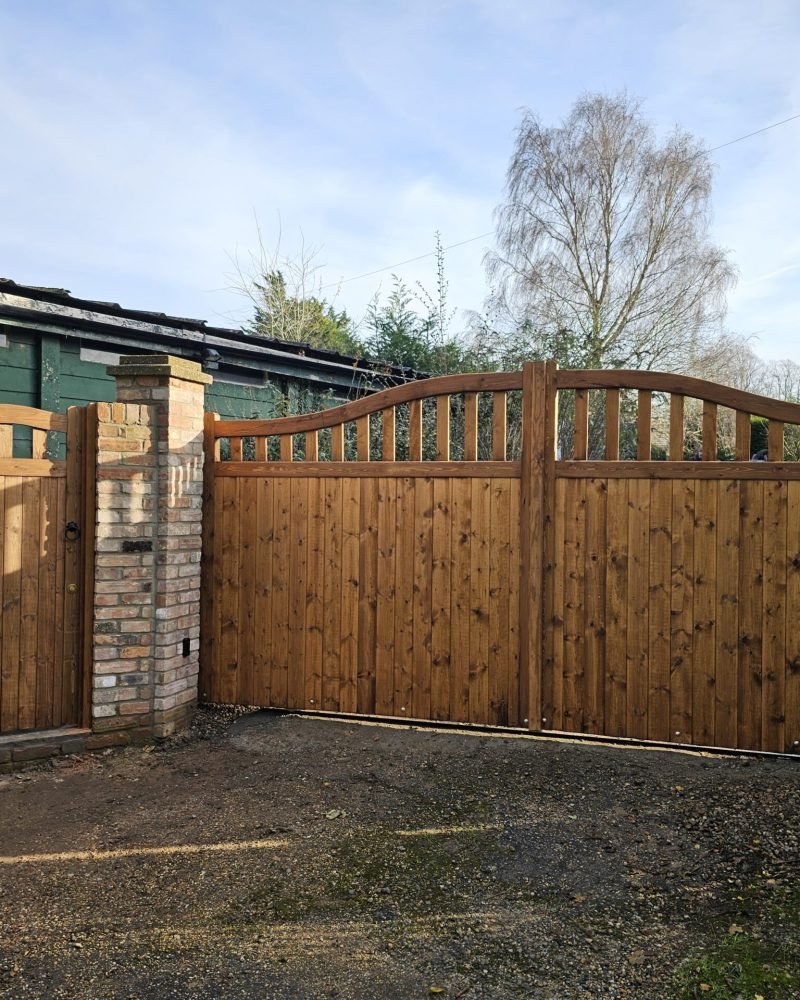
point(455, 549)
point(47, 518)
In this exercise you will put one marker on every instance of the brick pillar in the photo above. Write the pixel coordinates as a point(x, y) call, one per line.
point(147, 554)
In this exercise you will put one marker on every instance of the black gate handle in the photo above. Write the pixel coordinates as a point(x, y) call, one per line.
point(72, 532)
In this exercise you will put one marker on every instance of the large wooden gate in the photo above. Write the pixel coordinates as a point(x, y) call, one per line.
point(453, 549)
point(47, 517)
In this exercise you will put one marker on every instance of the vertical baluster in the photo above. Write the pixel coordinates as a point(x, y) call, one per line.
point(709, 431)
point(388, 422)
point(675, 428)
point(581, 424)
point(236, 449)
point(6, 441)
point(39, 443)
point(337, 443)
point(261, 449)
point(415, 430)
point(362, 438)
point(470, 426)
point(612, 425)
point(499, 426)
point(644, 420)
point(312, 446)
point(775, 441)
point(286, 447)
point(442, 428)
point(742, 436)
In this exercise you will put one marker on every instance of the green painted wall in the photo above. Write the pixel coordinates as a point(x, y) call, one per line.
point(48, 372)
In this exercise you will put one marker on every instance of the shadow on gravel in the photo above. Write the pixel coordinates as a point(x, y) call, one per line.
point(275, 856)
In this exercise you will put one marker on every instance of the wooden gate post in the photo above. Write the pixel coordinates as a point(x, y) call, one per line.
point(539, 402)
point(147, 565)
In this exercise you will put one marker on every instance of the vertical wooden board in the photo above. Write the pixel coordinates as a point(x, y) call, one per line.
point(362, 438)
point(792, 697)
point(612, 425)
point(29, 602)
point(212, 676)
point(332, 596)
point(385, 589)
point(595, 606)
point(6, 441)
point(441, 653)
point(479, 603)
point(262, 652)
point(470, 426)
point(312, 446)
point(298, 583)
point(388, 432)
point(682, 611)
point(368, 596)
point(499, 425)
point(286, 445)
point(517, 712)
point(574, 574)
point(58, 611)
point(616, 674)
point(460, 544)
point(281, 565)
point(637, 646)
point(775, 433)
point(229, 594)
point(774, 617)
point(547, 411)
point(314, 592)
point(581, 439)
point(423, 546)
point(676, 408)
point(553, 674)
point(644, 425)
point(337, 443)
point(498, 611)
point(350, 591)
point(404, 599)
point(727, 637)
point(415, 430)
point(709, 431)
point(442, 428)
point(48, 595)
point(751, 568)
point(248, 512)
point(12, 571)
point(660, 586)
point(236, 449)
point(704, 674)
point(743, 430)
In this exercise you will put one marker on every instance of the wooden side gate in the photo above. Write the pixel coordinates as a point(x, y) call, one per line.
point(47, 519)
point(433, 552)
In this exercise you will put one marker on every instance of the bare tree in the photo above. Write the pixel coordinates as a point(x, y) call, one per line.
point(603, 252)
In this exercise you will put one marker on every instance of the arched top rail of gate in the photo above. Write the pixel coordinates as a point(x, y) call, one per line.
point(35, 425)
point(674, 418)
point(472, 418)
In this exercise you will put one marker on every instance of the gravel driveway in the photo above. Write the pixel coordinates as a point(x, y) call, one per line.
point(276, 856)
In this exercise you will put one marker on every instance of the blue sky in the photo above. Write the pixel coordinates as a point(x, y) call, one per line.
point(141, 139)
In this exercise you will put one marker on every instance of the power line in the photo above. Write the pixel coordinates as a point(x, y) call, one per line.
point(411, 260)
point(482, 236)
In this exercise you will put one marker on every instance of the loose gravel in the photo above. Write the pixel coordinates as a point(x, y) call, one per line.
point(277, 856)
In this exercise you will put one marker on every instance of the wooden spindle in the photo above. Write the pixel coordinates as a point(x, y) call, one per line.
point(442, 428)
point(415, 430)
point(775, 441)
point(676, 428)
point(236, 449)
point(261, 449)
point(337, 443)
point(388, 425)
point(286, 447)
point(581, 424)
point(6, 441)
point(612, 425)
point(644, 422)
point(38, 443)
point(312, 446)
point(470, 426)
point(362, 438)
point(499, 426)
point(709, 431)
point(742, 436)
